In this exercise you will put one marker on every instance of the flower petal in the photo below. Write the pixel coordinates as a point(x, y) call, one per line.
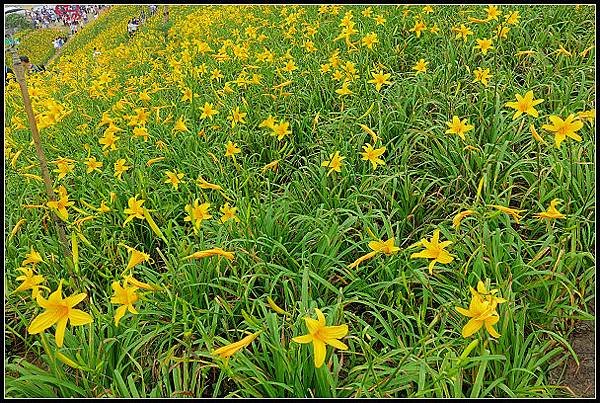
point(559, 138)
point(577, 125)
point(430, 267)
point(489, 322)
point(444, 257)
point(312, 325)
point(43, 321)
point(119, 314)
point(307, 338)
point(556, 121)
point(132, 309)
point(321, 317)
point(436, 237)
point(75, 299)
point(61, 325)
point(463, 311)
point(336, 343)
point(334, 332)
point(376, 245)
point(445, 244)
point(481, 287)
point(471, 327)
point(77, 317)
point(428, 254)
point(320, 350)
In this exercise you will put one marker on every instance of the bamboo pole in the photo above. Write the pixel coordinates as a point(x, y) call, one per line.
point(20, 76)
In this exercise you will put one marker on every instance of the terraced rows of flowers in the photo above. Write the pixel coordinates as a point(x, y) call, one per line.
point(298, 201)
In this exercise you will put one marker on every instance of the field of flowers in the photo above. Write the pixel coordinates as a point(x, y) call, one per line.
point(298, 201)
point(37, 44)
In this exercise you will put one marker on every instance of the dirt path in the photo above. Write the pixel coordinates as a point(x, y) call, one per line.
point(580, 379)
point(54, 56)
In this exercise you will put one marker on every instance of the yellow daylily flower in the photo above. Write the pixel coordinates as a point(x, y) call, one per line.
point(378, 246)
point(180, 126)
point(33, 257)
point(418, 28)
point(93, 165)
point(197, 213)
point(482, 311)
point(564, 128)
point(228, 213)
point(211, 252)
point(208, 111)
point(281, 130)
point(174, 178)
point(371, 154)
point(231, 149)
point(61, 204)
point(121, 167)
point(29, 281)
point(482, 75)
point(421, 66)
point(136, 257)
point(434, 250)
point(510, 211)
point(552, 212)
point(525, 105)
point(126, 296)
point(484, 45)
point(59, 311)
point(459, 127)
point(460, 216)
point(321, 336)
point(379, 79)
point(135, 209)
point(230, 349)
point(334, 162)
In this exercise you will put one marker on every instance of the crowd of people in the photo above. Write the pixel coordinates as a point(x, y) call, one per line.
point(71, 16)
point(42, 17)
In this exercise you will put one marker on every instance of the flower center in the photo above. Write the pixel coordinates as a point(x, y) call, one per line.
point(523, 106)
point(62, 310)
point(435, 250)
point(319, 335)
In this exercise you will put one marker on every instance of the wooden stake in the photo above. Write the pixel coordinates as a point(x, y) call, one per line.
point(20, 76)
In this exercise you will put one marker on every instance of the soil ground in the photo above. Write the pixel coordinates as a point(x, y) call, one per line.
point(581, 379)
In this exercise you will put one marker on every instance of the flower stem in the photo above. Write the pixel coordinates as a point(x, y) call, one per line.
point(570, 170)
point(48, 352)
point(539, 172)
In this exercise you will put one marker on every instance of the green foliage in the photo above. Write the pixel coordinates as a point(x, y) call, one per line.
point(300, 228)
point(17, 22)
